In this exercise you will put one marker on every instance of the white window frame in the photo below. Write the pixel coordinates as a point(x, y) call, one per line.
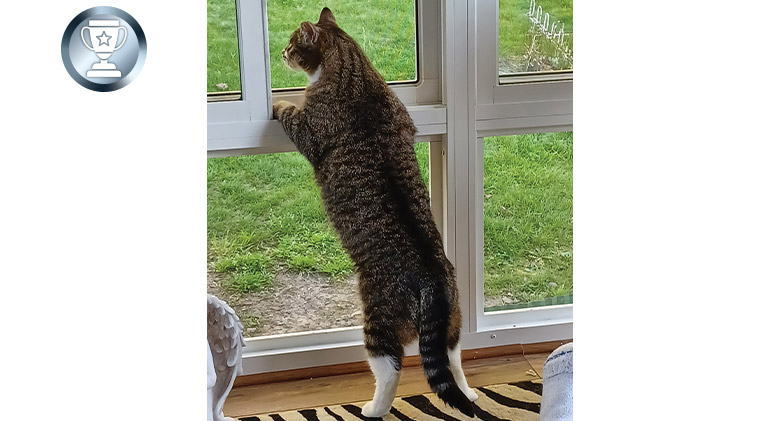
point(530, 105)
point(456, 102)
point(245, 126)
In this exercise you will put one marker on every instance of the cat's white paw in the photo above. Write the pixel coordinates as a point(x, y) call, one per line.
point(369, 410)
point(471, 394)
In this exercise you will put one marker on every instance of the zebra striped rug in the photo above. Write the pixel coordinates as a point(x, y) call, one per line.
point(519, 401)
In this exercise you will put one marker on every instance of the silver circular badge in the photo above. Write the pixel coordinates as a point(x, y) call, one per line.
point(103, 48)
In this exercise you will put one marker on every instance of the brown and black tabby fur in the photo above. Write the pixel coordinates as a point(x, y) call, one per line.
point(359, 138)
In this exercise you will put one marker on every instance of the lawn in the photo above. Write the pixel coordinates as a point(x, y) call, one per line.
point(528, 217)
point(265, 215)
point(222, 46)
point(389, 43)
point(522, 47)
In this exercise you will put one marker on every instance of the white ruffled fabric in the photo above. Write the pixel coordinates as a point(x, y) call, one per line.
point(558, 389)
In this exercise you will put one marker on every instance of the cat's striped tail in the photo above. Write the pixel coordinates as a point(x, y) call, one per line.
point(434, 324)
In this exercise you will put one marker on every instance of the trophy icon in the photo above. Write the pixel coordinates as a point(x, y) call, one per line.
point(104, 35)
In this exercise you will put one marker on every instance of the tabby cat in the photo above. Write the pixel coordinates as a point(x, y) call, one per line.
point(359, 139)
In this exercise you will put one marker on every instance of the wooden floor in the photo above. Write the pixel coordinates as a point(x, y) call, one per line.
point(340, 389)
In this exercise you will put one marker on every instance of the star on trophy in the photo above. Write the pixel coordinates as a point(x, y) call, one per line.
point(104, 35)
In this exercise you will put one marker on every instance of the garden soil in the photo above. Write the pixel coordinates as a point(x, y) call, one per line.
point(299, 303)
point(295, 303)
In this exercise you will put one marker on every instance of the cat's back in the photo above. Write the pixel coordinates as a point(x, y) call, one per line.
point(370, 179)
point(355, 96)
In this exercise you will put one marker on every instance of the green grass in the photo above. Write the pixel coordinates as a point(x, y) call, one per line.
point(515, 35)
point(265, 215)
point(385, 31)
point(528, 216)
point(222, 46)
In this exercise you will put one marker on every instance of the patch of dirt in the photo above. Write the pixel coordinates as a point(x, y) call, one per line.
point(301, 303)
point(295, 303)
point(498, 301)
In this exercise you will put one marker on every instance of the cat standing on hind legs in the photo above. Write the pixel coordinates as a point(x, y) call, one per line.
point(359, 139)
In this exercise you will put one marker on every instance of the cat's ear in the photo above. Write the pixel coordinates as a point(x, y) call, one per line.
point(309, 33)
point(326, 16)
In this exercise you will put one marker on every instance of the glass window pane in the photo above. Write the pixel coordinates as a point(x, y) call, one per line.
point(223, 74)
point(534, 36)
point(272, 254)
point(528, 221)
point(384, 29)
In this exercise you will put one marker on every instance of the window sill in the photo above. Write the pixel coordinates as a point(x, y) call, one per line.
point(267, 136)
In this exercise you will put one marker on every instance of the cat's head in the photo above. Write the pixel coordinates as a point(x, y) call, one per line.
point(307, 43)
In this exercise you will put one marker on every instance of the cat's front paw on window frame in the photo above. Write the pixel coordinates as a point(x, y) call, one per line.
point(281, 105)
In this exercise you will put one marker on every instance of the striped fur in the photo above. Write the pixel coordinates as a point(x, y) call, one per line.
point(501, 402)
point(359, 139)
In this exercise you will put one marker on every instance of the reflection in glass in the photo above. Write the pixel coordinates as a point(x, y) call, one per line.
point(534, 36)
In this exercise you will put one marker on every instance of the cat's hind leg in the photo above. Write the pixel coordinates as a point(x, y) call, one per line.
point(384, 357)
point(387, 373)
point(457, 373)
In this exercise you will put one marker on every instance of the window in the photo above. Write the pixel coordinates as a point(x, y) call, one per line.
point(223, 72)
point(272, 253)
point(405, 49)
point(457, 66)
point(273, 256)
point(527, 221)
point(390, 43)
point(513, 94)
point(534, 36)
